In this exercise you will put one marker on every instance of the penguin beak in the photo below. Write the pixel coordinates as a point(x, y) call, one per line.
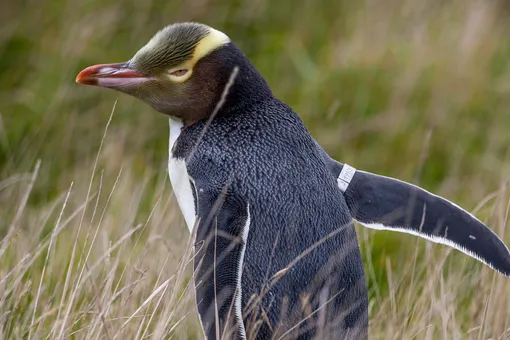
point(111, 75)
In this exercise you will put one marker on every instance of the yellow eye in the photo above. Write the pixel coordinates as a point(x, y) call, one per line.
point(179, 73)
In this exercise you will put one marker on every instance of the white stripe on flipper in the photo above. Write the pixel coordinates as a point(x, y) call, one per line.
point(345, 177)
point(452, 204)
point(239, 290)
point(433, 238)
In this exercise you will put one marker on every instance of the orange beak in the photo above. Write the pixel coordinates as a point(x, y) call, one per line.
point(111, 75)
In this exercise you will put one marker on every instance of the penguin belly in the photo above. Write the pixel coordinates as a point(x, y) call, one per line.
point(180, 179)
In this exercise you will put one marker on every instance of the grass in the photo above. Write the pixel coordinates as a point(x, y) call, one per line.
point(93, 245)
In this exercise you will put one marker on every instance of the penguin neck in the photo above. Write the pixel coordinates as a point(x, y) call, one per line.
point(237, 85)
point(244, 88)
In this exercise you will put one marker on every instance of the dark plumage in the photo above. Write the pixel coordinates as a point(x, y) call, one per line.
point(277, 253)
point(262, 155)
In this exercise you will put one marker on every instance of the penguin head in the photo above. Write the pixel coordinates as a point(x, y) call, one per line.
point(182, 71)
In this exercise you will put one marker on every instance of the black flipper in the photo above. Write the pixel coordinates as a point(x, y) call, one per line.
point(385, 203)
point(223, 225)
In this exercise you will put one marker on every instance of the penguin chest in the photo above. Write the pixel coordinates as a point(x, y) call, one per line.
point(180, 179)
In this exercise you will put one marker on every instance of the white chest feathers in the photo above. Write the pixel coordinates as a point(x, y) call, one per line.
point(180, 179)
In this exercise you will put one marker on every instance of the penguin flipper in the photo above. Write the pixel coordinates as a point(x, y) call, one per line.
point(223, 222)
point(386, 203)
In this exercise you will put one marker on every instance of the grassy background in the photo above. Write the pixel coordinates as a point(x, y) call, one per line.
point(93, 243)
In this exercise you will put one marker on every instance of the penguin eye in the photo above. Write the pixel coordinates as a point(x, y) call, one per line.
point(179, 73)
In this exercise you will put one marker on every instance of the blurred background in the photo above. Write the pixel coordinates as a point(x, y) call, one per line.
point(94, 246)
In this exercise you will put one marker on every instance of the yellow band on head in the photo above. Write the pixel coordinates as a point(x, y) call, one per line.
point(208, 44)
point(213, 40)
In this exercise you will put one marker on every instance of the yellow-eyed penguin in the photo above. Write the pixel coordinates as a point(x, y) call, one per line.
point(276, 250)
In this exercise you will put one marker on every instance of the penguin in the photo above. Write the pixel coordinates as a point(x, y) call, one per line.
point(276, 252)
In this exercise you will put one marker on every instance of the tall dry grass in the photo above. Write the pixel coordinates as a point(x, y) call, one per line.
point(94, 268)
point(93, 244)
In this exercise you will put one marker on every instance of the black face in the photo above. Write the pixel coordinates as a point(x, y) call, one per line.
point(193, 99)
